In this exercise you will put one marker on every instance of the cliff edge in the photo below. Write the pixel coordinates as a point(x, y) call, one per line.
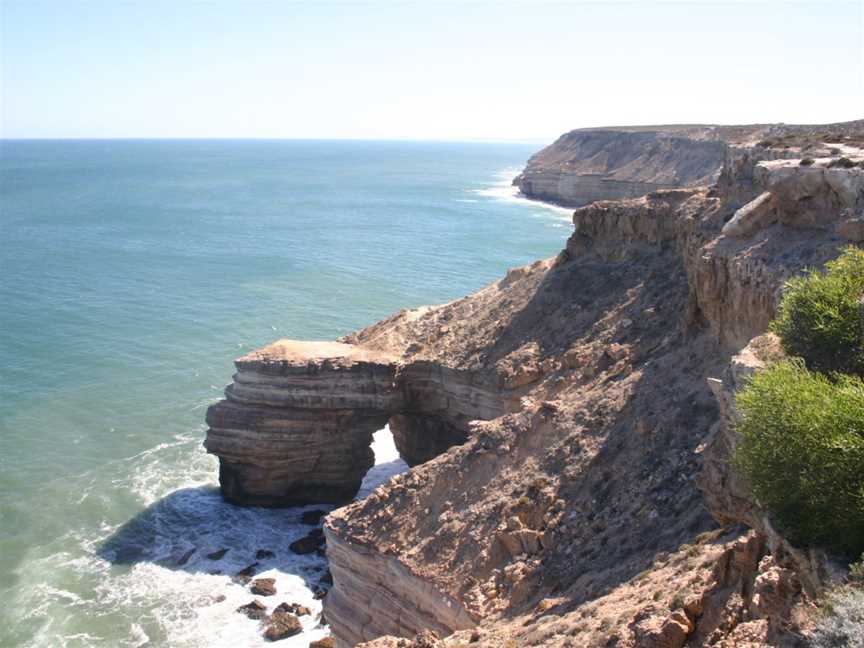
point(569, 428)
point(590, 164)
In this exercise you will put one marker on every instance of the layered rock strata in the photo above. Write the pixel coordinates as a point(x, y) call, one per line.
point(591, 164)
point(568, 520)
point(584, 396)
point(586, 165)
point(297, 422)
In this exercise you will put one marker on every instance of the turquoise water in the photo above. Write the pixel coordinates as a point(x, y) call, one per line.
point(131, 274)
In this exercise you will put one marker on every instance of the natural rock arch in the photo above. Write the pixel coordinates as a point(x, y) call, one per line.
point(296, 424)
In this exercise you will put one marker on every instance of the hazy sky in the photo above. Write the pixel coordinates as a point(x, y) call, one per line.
point(431, 70)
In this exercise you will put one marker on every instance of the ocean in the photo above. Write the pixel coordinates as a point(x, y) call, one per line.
point(132, 273)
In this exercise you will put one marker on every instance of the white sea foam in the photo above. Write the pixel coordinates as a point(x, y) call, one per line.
point(134, 588)
point(503, 189)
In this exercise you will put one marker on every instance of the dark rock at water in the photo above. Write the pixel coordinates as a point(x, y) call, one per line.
point(263, 586)
point(326, 578)
point(254, 609)
point(312, 517)
point(185, 557)
point(306, 545)
point(264, 554)
point(326, 642)
point(316, 533)
point(246, 574)
point(281, 625)
point(217, 555)
point(321, 551)
point(319, 594)
point(293, 608)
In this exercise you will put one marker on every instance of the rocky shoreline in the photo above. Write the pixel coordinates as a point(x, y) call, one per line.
point(569, 424)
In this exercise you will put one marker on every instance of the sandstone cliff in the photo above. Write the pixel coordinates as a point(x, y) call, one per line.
point(592, 164)
point(569, 426)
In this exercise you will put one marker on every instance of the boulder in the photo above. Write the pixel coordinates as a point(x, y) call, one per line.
point(294, 608)
point(246, 574)
point(263, 586)
point(326, 642)
point(307, 544)
point(281, 625)
point(254, 609)
point(312, 517)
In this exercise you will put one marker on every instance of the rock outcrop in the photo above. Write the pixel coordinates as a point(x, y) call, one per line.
point(590, 164)
point(569, 427)
point(297, 422)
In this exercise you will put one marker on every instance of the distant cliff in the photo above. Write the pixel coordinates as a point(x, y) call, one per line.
point(591, 164)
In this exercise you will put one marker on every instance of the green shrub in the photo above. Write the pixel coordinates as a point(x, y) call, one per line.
point(802, 453)
point(819, 318)
point(842, 162)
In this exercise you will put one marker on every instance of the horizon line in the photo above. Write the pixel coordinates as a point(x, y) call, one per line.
point(479, 140)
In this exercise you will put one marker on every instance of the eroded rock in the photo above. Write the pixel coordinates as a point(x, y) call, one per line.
point(281, 625)
point(254, 609)
point(263, 586)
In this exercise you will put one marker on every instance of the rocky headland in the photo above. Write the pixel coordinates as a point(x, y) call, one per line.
point(569, 424)
point(591, 164)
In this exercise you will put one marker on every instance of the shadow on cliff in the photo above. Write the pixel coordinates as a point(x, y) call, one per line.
point(196, 531)
point(639, 396)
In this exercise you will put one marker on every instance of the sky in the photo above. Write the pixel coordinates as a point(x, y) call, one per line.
point(422, 70)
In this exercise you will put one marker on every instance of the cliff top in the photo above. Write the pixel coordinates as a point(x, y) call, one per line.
point(304, 352)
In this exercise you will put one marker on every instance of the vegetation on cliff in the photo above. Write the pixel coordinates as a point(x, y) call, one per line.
point(802, 452)
point(802, 431)
point(819, 318)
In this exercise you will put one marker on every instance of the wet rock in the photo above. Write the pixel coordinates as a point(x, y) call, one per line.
point(281, 625)
point(312, 517)
point(294, 608)
point(246, 574)
point(319, 594)
point(264, 554)
point(263, 586)
point(185, 557)
point(254, 609)
point(307, 545)
point(326, 642)
point(217, 555)
point(326, 579)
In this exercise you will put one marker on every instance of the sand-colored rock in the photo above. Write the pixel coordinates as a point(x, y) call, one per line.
point(586, 165)
point(296, 424)
point(570, 426)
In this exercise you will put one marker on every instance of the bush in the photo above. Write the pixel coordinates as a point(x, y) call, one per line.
point(842, 162)
point(802, 453)
point(819, 318)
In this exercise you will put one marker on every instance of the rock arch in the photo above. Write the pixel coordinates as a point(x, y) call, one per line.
point(296, 423)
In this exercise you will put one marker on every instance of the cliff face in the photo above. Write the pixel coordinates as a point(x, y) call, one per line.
point(583, 166)
point(587, 165)
point(588, 398)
